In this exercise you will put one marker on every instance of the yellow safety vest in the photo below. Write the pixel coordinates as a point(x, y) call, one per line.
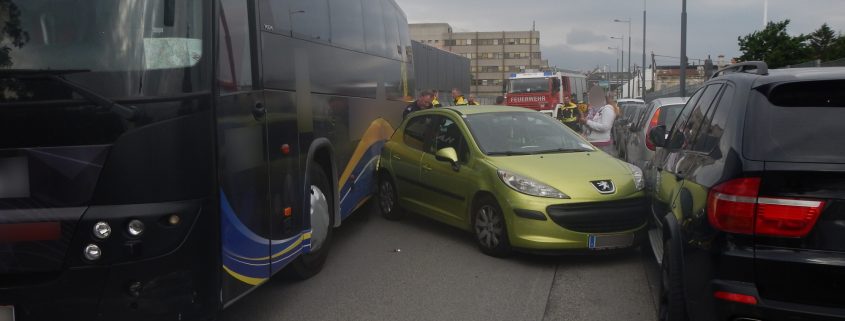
point(460, 101)
point(568, 111)
point(435, 103)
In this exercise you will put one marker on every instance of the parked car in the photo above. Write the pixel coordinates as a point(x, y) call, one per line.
point(638, 148)
point(631, 109)
point(750, 198)
point(515, 177)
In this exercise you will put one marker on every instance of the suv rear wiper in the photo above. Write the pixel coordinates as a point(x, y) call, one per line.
point(127, 112)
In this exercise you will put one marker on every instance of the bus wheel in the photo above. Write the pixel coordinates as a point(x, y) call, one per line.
point(322, 223)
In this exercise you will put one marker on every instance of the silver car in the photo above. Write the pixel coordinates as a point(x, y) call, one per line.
point(639, 150)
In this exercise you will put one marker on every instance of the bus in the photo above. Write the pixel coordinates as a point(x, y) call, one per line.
point(544, 91)
point(160, 159)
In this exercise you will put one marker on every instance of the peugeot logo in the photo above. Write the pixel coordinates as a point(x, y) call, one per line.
point(604, 186)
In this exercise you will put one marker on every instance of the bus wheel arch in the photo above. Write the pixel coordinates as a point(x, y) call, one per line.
point(321, 153)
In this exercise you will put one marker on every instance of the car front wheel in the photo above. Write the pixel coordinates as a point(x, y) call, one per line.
point(490, 228)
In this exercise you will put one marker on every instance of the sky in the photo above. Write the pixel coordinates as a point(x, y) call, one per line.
point(575, 34)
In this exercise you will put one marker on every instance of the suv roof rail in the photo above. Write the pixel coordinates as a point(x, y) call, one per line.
point(761, 68)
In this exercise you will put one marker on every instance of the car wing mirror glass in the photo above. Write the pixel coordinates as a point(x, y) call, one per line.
point(658, 136)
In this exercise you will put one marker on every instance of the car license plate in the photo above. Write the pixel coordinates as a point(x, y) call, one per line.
point(7, 313)
point(613, 241)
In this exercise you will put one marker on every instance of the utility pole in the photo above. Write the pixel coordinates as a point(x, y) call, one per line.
point(644, 69)
point(628, 76)
point(684, 49)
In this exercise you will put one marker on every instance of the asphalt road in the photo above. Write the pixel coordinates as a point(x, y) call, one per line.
point(417, 269)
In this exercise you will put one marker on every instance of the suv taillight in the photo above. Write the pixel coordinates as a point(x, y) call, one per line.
point(651, 124)
point(736, 207)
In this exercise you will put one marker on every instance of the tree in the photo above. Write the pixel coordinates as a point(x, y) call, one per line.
point(774, 46)
point(821, 43)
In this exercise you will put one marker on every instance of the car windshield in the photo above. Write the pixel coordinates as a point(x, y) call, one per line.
point(523, 133)
point(528, 85)
point(118, 48)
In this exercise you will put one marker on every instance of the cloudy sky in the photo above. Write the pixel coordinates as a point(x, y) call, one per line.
point(575, 34)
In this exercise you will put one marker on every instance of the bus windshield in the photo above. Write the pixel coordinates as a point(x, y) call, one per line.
point(118, 48)
point(528, 85)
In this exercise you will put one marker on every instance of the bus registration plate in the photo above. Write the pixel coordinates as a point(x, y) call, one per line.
point(7, 313)
point(606, 242)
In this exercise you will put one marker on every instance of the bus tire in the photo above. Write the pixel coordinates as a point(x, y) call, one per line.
point(322, 214)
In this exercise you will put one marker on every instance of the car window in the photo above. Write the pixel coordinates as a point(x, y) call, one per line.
point(640, 122)
point(714, 124)
point(669, 114)
point(685, 128)
point(449, 135)
point(419, 132)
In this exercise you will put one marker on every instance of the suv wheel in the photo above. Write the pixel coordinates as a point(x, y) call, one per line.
point(672, 307)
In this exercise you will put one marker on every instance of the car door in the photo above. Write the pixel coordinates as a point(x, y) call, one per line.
point(405, 155)
point(448, 188)
point(665, 161)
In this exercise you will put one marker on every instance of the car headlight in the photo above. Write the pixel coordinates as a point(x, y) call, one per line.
point(637, 173)
point(529, 186)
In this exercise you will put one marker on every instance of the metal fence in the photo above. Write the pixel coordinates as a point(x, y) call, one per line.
point(819, 63)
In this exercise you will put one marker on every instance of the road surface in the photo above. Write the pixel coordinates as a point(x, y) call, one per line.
point(418, 269)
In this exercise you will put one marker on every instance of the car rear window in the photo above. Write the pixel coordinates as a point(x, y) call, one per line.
point(801, 122)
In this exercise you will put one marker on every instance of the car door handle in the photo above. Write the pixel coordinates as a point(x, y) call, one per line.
point(426, 167)
point(396, 157)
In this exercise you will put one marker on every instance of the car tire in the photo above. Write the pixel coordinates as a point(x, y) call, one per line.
point(490, 228)
point(672, 305)
point(322, 225)
point(388, 199)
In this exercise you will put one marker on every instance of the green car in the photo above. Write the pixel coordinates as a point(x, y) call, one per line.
point(518, 179)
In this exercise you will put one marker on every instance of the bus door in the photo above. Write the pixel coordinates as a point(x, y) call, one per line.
point(242, 147)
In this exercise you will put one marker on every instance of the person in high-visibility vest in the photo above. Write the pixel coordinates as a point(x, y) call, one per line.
point(569, 114)
point(472, 101)
point(435, 102)
point(458, 98)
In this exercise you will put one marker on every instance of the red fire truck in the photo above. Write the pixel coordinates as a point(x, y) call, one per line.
point(544, 91)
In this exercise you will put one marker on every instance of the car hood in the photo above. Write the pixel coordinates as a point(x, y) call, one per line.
point(571, 173)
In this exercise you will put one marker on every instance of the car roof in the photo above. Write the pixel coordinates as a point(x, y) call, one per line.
point(628, 100)
point(670, 101)
point(483, 109)
point(788, 75)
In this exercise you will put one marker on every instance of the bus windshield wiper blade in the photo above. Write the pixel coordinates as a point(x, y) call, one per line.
point(127, 112)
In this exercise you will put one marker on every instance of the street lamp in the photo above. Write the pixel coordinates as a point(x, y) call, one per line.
point(622, 48)
point(642, 76)
point(609, 80)
point(684, 49)
point(628, 21)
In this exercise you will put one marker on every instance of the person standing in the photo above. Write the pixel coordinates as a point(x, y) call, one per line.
point(458, 98)
point(423, 102)
point(598, 122)
point(435, 101)
point(472, 101)
point(569, 114)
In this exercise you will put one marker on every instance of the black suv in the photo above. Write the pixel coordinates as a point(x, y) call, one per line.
point(749, 207)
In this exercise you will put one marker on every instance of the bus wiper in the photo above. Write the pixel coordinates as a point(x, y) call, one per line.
point(127, 112)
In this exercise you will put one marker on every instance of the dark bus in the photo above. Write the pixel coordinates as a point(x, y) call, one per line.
point(160, 159)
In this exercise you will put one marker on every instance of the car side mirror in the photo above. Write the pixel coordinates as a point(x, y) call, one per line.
point(657, 135)
point(448, 155)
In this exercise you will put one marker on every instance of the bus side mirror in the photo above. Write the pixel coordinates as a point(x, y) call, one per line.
point(658, 136)
point(448, 155)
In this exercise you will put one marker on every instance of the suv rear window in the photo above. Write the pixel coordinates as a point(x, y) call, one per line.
point(797, 122)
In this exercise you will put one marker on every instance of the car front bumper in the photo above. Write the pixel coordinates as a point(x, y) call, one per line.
point(540, 224)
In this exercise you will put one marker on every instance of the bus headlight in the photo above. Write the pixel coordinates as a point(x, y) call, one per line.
point(102, 230)
point(92, 252)
point(135, 227)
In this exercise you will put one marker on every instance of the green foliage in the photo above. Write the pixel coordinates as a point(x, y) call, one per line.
point(779, 49)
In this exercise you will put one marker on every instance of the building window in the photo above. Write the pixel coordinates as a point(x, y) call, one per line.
point(490, 69)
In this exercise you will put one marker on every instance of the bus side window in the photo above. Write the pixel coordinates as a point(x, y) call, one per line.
point(235, 58)
point(310, 19)
point(391, 27)
point(374, 28)
point(347, 24)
